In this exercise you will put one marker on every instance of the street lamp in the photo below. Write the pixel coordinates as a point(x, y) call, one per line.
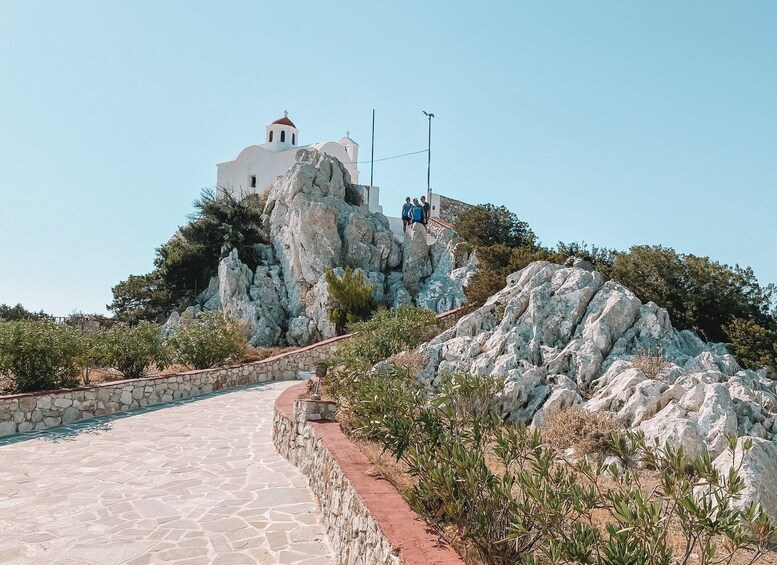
point(429, 157)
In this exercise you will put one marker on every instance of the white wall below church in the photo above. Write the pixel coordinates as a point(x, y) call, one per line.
point(235, 176)
point(267, 164)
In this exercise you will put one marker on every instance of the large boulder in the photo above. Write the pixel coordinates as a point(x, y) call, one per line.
point(555, 320)
point(310, 228)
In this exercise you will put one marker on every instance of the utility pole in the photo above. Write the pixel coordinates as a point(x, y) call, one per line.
point(372, 146)
point(429, 158)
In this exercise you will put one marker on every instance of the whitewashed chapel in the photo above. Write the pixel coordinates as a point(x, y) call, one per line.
point(258, 166)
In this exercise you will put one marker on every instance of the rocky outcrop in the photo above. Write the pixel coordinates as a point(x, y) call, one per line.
point(561, 336)
point(309, 229)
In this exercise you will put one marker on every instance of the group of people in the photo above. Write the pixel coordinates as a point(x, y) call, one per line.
point(415, 212)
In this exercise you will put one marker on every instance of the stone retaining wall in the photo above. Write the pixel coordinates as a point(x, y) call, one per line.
point(451, 209)
point(41, 410)
point(365, 518)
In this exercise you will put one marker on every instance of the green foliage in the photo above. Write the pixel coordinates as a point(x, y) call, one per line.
point(487, 224)
point(385, 334)
point(40, 355)
point(19, 312)
point(209, 341)
point(185, 264)
point(512, 499)
point(754, 346)
point(133, 349)
point(141, 297)
point(388, 332)
point(699, 294)
point(221, 222)
point(352, 296)
point(93, 353)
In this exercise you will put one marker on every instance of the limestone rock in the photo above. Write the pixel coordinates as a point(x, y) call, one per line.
point(417, 263)
point(552, 320)
point(758, 470)
point(310, 229)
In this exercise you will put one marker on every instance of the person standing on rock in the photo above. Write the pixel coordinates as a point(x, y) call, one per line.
point(416, 213)
point(425, 205)
point(406, 207)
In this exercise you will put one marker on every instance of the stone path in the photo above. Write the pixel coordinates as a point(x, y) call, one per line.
point(194, 482)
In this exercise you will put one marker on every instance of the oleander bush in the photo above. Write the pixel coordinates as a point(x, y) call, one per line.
point(132, 350)
point(40, 354)
point(502, 495)
point(387, 333)
point(211, 340)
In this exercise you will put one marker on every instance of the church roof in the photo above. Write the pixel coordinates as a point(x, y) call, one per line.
point(284, 121)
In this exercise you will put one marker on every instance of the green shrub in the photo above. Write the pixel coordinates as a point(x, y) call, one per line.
point(184, 264)
point(753, 345)
point(93, 352)
point(212, 339)
point(512, 499)
point(352, 296)
point(385, 334)
point(487, 224)
point(40, 355)
point(133, 349)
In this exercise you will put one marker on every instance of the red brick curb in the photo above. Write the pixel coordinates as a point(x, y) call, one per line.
point(409, 535)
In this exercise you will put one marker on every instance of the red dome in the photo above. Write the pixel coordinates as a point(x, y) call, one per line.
point(284, 121)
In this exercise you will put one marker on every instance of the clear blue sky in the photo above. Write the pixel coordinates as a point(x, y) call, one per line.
point(617, 123)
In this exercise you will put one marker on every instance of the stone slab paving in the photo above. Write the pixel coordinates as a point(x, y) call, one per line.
point(197, 481)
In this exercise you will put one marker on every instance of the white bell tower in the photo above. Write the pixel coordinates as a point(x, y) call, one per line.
point(281, 134)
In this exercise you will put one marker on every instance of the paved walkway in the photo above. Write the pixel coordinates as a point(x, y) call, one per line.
point(194, 482)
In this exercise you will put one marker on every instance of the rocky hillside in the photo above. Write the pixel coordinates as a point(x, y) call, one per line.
point(563, 336)
point(310, 228)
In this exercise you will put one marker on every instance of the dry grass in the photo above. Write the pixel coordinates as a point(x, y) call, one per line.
point(261, 353)
point(586, 432)
point(411, 360)
point(650, 363)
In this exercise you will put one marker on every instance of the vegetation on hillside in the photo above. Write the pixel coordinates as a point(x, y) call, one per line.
point(502, 494)
point(719, 302)
point(43, 355)
point(184, 265)
point(19, 312)
point(353, 301)
point(387, 333)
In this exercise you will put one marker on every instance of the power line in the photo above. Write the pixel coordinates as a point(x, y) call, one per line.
point(385, 158)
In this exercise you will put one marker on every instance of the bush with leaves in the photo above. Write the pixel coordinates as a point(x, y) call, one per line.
point(211, 340)
point(753, 345)
point(500, 491)
point(486, 224)
point(131, 350)
point(40, 355)
point(385, 334)
point(353, 300)
point(19, 312)
point(184, 264)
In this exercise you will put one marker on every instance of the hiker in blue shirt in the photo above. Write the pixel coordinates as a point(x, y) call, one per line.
point(406, 207)
point(417, 213)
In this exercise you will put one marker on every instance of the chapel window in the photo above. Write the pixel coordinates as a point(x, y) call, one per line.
point(270, 135)
point(253, 181)
point(293, 139)
point(283, 136)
